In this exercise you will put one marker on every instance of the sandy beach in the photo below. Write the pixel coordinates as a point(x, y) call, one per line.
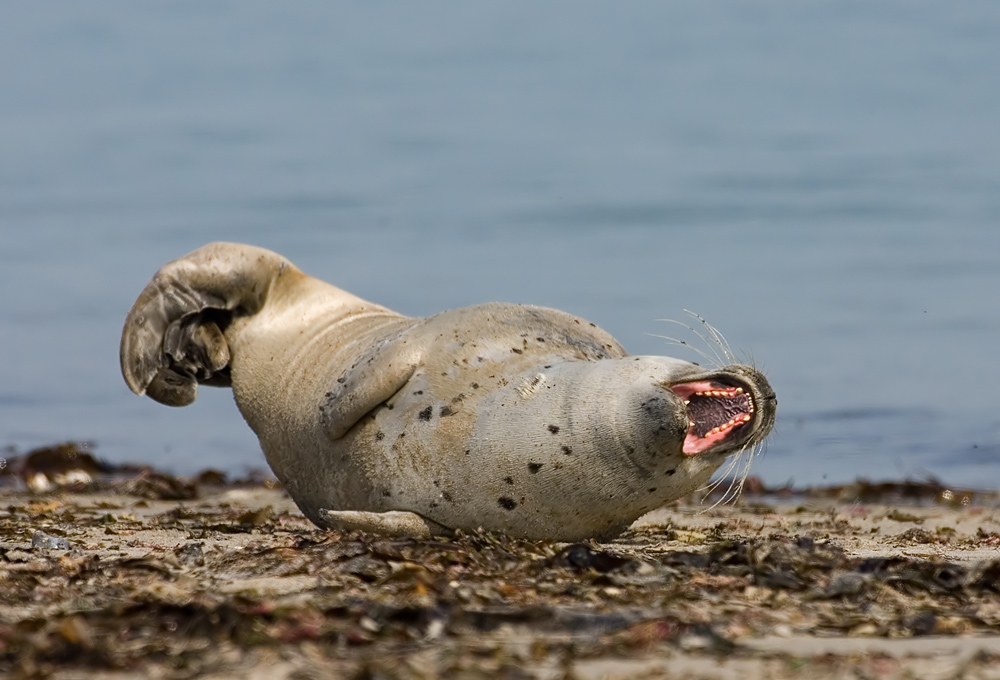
point(153, 576)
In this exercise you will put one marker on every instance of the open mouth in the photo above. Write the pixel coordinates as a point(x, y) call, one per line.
point(715, 412)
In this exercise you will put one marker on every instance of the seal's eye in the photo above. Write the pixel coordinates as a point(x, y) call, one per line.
point(714, 412)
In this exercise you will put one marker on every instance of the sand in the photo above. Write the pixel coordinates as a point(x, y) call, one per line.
point(235, 583)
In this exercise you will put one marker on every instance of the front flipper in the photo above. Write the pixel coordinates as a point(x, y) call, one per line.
point(173, 336)
point(377, 375)
point(391, 523)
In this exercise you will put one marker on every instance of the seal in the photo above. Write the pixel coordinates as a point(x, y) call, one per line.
point(510, 418)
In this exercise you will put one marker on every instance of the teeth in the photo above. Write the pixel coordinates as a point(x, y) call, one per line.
point(720, 393)
point(732, 423)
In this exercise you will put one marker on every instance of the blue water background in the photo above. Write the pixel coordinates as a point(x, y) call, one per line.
point(819, 180)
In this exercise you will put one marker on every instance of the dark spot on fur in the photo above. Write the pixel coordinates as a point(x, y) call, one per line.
point(652, 489)
point(437, 482)
point(507, 503)
point(467, 452)
point(460, 397)
point(540, 339)
point(447, 496)
point(389, 407)
point(418, 393)
point(446, 411)
point(401, 435)
point(554, 429)
point(593, 325)
point(548, 366)
point(434, 504)
point(386, 493)
point(630, 450)
point(341, 380)
point(515, 350)
point(567, 450)
point(475, 386)
point(379, 436)
point(509, 480)
point(671, 472)
point(426, 413)
point(533, 468)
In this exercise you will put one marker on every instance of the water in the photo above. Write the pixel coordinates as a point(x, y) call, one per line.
point(819, 180)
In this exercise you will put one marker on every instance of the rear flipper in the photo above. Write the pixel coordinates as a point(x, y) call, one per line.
point(173, 336)
point(391, 523)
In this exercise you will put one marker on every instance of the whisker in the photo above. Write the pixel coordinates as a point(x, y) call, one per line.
point(719, 338)
point(718, 362)
point(710, 341)
point(736, 482)
point(713, 361)
point(746, 473)
point(736, 486)
point(712, 486)
point(724, 497)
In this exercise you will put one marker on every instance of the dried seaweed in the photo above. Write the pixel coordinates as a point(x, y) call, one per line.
point(109, 576)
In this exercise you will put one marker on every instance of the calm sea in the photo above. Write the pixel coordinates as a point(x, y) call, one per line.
point(819, 180)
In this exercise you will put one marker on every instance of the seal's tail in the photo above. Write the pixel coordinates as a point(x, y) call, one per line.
point(173, 337)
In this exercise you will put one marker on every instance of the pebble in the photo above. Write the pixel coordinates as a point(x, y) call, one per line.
point(40, 539)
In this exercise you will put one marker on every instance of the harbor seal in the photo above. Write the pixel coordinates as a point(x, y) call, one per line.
point(511, 418)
